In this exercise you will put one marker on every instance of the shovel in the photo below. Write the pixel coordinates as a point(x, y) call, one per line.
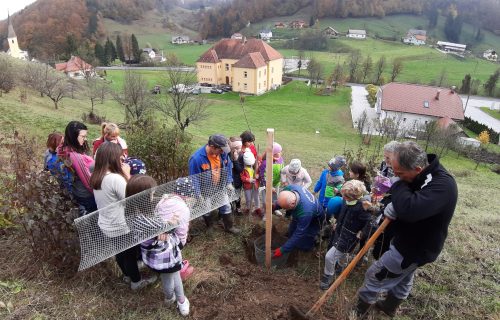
point(296, 314)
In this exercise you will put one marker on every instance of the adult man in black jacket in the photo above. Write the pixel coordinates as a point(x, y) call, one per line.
point(423, 202)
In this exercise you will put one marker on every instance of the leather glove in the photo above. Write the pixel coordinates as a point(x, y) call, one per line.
point(277, 253)
point(389, 211)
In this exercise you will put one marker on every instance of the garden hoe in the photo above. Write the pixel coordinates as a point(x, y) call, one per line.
point(296, 314)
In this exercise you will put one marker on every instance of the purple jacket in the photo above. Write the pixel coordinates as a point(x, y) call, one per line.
point(165, 256)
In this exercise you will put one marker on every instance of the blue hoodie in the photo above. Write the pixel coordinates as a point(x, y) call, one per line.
point(325, 184)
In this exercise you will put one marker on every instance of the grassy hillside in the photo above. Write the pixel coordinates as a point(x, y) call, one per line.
point(462, 283)
point(390, 26)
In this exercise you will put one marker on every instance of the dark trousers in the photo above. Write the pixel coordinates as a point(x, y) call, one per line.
point(127, 261)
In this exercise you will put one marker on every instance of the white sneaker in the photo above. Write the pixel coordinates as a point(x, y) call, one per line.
point(170, 302)
point(143, 283)
point(141, 265)
point(184, 307)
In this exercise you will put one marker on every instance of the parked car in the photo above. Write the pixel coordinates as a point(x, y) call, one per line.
point(226, 88)
point(181, 88)
point(156, 90)
point(217, 91)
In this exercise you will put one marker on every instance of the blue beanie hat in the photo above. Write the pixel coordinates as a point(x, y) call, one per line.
point(137, 166)
point(334, 206)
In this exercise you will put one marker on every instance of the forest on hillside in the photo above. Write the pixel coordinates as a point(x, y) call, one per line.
point(50, 28)
point(230, 17)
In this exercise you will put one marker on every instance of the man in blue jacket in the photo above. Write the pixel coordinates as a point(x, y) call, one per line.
point(306, 213)
point(423, 203)
point(211, 171)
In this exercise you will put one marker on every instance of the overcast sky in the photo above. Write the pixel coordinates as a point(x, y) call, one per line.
point(12, 6)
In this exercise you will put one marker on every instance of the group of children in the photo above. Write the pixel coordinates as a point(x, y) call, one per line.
point(352, 209)
point(348, 205)
point(109, 176)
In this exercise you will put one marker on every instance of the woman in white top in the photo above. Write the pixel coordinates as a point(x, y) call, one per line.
point(109, 181)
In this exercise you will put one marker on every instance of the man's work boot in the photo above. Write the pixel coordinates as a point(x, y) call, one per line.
point(362, 309)
point(390, 305)
point(208, 221)
point(228, 224)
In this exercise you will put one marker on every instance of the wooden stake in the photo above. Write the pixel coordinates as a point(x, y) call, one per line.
point(269, 194)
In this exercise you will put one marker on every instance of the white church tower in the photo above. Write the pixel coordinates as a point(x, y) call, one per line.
point(14, 50)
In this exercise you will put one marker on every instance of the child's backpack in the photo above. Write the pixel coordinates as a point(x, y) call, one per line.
point(65, 173)
point(333, 182)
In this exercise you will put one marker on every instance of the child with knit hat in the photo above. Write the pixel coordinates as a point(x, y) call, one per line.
point(163, 254)
point(351, 220)
point(294, 174)
point(276, 168)
point(331, 180)
point(250, 183)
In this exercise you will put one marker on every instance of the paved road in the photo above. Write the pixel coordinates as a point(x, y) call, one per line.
point(359, 104)
point(186, 69)
point(477, 114)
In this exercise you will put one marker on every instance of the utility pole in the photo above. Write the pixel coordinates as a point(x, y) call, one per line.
point(468, 92)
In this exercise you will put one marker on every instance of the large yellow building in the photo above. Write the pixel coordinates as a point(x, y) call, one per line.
point(249, 66)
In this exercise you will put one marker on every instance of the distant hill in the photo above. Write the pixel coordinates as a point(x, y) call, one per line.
point(43, 27)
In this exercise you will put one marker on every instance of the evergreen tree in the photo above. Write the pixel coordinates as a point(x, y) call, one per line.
point(466, 82)
point(109, 51)
point(119, 49)
point(433, 16)
point(99, 54)
point(311, 21)
point(135, 48)
point(491, 84)
point(453, 27)
point(71, 45)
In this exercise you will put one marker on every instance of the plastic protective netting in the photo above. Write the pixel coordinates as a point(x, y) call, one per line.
point(126, 223)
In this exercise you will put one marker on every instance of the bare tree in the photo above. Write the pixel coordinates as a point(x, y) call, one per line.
point(366, 68)
point(338, 77)
point(354, 63)
point(7, 75)
point(179, 103)
point(47, 81)
point(379, 69)
point(95, 90)
point(315, 70)
point(397, 67)
point(442, 79)
point(134, 97)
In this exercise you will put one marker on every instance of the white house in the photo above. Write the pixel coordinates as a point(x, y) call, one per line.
point(490, 55)
point(180, 39)
point(237, 36)
point(452, 47)
point(266, 34)
point(416, 37)
point(150, 52)
point(413, 105)
point(76, 68)
point(357, 34)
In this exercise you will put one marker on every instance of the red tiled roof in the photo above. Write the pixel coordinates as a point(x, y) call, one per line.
point(410, 98)
point(73, 64)
point(252, 60)
point(237, 49)
point(210, 56)
point(420, 37)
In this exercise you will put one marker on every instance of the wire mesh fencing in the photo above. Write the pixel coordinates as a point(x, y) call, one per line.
point(128, 222)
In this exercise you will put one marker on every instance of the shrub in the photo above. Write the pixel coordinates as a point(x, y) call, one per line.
point(93, 118)
point(34, 200)
point(165, 151)
point(477, 128)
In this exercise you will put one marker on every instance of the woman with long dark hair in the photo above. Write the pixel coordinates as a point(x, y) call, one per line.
point(109, 181)
point(73, 153)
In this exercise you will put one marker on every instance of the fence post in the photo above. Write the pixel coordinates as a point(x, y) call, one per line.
point(269, 194)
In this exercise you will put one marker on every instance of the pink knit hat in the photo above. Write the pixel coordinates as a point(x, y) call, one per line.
point(276, 148)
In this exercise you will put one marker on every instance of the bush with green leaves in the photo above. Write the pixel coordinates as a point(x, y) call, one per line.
point(165, 151)
point(33, 199)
